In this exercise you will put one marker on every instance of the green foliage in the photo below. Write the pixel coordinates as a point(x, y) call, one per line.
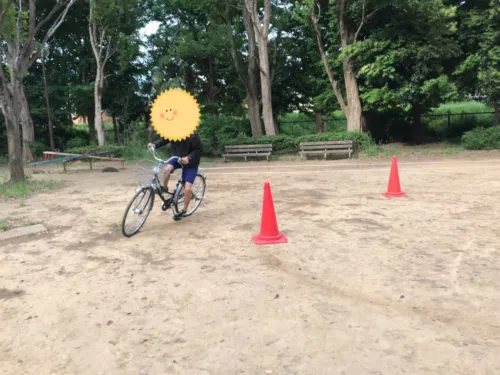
point(482, 138)
point(38, 148)
point(76, 142)
point(479, 39)
point(464, 116)
point(215, 131)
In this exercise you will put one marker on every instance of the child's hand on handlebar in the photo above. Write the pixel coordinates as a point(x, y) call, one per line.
point(151, 145)
point(185, 160)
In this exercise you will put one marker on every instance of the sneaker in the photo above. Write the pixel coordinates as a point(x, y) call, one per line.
point(179, 216)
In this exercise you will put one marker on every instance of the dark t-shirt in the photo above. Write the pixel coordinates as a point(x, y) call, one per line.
point(190, 147)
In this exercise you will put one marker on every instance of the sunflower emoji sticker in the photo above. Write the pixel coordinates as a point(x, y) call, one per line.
point(175, 114)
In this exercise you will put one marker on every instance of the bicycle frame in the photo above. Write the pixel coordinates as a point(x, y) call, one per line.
point(155, 183)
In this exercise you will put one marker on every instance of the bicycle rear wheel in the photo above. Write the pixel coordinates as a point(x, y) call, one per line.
point(198, 192)
point(140, 206)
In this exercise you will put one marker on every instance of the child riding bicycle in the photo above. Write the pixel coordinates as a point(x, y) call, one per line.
point(190, 151)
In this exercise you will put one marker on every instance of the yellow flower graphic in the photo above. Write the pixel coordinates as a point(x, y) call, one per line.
point(175, 114)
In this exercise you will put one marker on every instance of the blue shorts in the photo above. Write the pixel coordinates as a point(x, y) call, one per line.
point(188, 174)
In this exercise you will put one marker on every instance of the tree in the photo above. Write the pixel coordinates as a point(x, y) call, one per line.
point(261, 30)
point(479, 39)
point(405, 65)
point(248, 76)
point(25, 32)
point(192, 50)
point(348, 19)
point(299, 80)
point(121, 92)
point(111, 24)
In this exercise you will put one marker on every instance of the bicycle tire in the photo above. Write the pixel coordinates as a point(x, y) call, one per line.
point(147, 209)
point(178, 204)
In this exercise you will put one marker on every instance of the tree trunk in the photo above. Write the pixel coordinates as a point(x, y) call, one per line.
point(213, 89)
point(251, 86)
point(254, 113)
point(319, 122)
point(262, 32)
point(92, 137)
point(324, 59)
point(15, 149)
point(354, 112)
point(276, 124)
point(497, 113)
point(28, 128)
point(115, 128)
point(190, 80)
point(265, 82)
point(151, 134)
point(47, 101)
point(418, 131)
point(99, 127)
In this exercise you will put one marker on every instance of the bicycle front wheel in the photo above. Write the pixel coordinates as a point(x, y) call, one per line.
point(137, 211)
point(198, 192)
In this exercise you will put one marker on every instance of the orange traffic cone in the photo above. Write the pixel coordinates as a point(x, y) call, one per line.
point(394, 187)
point(269, 233)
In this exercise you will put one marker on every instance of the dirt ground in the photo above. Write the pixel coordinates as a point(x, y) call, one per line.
point(365, 284)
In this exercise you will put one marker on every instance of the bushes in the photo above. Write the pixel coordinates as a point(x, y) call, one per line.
point(283, 144)
point(215, 131)
point(117, 150)
point(482, 138)
point(76, 142)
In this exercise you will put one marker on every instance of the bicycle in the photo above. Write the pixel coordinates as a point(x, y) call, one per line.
point(145, 195)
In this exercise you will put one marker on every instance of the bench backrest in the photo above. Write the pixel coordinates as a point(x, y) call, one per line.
point(268, 147)
point(327, 145)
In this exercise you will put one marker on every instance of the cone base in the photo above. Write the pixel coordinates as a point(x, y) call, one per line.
point(269, 240)
point(395, 195)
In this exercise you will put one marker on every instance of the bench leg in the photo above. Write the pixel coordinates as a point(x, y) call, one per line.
point(245, 158)
point(64, 167)
point(91, 164)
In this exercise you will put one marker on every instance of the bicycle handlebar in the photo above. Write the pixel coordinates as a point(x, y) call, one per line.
point(178, 158)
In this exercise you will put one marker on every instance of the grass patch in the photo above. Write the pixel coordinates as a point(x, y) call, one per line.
point(384, 151)
point(14, 222)
point(26, 188)
point(374, 151)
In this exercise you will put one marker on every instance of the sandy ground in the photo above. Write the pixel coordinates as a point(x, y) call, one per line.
point(365, 285)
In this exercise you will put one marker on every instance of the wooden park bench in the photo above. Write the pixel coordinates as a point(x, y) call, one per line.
point(248, 150)
point(326, 148)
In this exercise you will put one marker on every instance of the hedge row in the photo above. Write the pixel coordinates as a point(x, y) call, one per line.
point(482, 138)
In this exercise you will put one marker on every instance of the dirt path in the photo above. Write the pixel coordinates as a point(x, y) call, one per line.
point(366, 285)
